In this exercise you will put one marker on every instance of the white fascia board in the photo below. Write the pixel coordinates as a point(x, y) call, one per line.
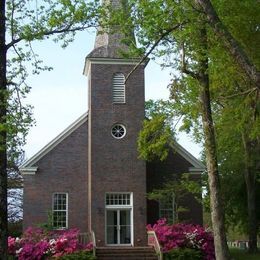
point(28, 170)
point(111, 61)
point(47, 148)
point(197, 164)
point(194, 170)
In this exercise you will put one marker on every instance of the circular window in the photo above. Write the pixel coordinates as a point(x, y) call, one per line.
point(118, 131)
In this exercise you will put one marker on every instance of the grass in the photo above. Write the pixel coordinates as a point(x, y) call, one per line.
point(240, 254)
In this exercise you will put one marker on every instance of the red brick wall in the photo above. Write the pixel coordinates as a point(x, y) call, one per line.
point(114, 164)
point(64, 169)
point(160, 172)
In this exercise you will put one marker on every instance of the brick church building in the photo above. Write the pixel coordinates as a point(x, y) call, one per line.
point(90, 176)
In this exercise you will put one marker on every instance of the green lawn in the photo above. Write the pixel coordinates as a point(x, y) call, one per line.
point(240, 254)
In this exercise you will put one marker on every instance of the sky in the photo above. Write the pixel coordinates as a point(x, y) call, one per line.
point(60, 97)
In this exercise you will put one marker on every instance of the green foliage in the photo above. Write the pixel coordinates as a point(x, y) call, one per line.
point(183, 254)
point(28, 21)
point(48, 17)
point(81, 255)
point(159, 107)
point(239, 254)
point(47, 226)
point(154, 139)
point(157, 134)
point(177, 189)
point(171, 30)
point(236, 116)
point(246, 14)
point(235, 101)
point(15, 229)
point(184, 93)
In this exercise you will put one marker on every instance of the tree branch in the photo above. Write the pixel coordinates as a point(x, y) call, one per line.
point(230, 42)
point(151, 50)
point(12, 20)
point(48, 33)
point(15, 84)
point(249, 91)
point(257, 97)
point(184, 65)
point(178, 120)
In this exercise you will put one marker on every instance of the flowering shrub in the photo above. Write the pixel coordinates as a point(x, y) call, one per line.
point(13, 245)
point(184, 236)
point(33, 251)
point(37, 243)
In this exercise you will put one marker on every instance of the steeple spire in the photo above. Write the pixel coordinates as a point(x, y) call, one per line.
point(111, 43)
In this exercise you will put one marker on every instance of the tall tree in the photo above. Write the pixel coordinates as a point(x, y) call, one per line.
point(167, 28)
point(21, 23)
point(233, 46)
point(3, 153)
point(217, 213)
point(237, 104)
point(238, 128)
point(164, 28)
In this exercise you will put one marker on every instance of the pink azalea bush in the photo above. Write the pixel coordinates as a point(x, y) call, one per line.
point(37, 243)
point(184, 236)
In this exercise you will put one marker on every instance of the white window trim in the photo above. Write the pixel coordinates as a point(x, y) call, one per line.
point(115, 207)
point(119, 206)
point(120, 137)
point(169, 209)
point(67, 207)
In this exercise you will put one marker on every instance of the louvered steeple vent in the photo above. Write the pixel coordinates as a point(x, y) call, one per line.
point(118, 88)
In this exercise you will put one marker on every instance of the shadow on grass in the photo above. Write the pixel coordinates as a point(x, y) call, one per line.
point(240, 254)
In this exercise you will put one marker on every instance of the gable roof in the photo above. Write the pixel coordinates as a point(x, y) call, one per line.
point(198, 166)
point(27, 166)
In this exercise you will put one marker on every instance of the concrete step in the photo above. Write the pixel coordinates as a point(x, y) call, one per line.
point(126, 253)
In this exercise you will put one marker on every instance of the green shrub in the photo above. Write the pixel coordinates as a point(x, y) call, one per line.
point(80, 255)
point(15, 229)
point(11, 257)
point(240, 254)
point(183, 254)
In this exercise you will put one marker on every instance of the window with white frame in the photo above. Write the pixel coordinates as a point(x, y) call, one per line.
point(118, 88)
point(118, 199)
point(118, 131)
point(166, 208)
point(60, 210)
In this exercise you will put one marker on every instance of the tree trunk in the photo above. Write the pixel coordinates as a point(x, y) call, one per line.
point(217, 213)
point(242, 59)
point(230, 42)
point(3, 153)
point(250, 179)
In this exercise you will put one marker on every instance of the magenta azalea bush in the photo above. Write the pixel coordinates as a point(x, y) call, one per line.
point(37, 244)
point(184, 236)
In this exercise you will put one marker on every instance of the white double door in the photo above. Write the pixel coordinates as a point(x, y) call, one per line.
point(119, 226)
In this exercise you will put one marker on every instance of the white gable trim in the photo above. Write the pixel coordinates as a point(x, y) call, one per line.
point(198, 166)
point(26, 167)
point(110, 61)
point(196, 170)
point(28, 171)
